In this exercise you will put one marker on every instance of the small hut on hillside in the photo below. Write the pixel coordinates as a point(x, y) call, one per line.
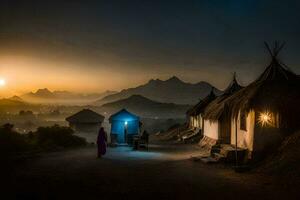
point(86, 123)
point(124, 125)
point(217, 119)
point(267, 108)
point(194, 114)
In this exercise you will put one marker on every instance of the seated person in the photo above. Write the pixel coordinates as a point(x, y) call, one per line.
point(145, 136)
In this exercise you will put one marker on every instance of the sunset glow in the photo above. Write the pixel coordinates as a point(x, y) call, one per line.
point(27, 73)
point(2, 82)
point(93, 51)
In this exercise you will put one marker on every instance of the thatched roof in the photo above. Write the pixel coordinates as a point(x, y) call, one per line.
point(86, 116)
point(217, 107)
point(199, 107)
point(277, 89)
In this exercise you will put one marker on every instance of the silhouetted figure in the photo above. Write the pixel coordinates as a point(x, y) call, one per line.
point(145, 139)
point(101, 142)
point(145, 135)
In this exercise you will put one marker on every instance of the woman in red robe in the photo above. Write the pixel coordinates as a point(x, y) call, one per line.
point(101, 142)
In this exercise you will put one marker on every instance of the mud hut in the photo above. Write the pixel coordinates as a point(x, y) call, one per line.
point(217, 120)
point(86, 123)
point(267, 109)
point(194, 114)
point(124, 125)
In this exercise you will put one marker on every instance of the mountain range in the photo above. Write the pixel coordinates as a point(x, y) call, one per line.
point(172, 90)
point(16, 98)
point(145, 107)
point(61, 97)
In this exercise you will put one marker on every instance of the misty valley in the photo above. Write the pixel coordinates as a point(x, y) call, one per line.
point(180, 99)
point(46, 108)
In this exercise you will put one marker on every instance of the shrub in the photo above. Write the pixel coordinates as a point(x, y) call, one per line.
point(11, 141)
point(44, 139)
point(57, 137)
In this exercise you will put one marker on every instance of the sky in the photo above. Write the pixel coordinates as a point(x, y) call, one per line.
point(93, 46)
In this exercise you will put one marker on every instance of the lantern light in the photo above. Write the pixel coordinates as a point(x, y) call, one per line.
point(125, 123)
point(265, 118)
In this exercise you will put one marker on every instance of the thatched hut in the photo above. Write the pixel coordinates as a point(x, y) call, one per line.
point(86, 123)
point(217, 120)
point(194, 114)
point(267, 108)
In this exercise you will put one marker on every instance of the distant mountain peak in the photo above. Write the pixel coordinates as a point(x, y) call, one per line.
point(135, 99)
point(145, 107)
point(44, 95)
point(135, 96)
point(15, 98)
point(174, 78)
point(44, 91)
point(138, 97)
point(154, 81)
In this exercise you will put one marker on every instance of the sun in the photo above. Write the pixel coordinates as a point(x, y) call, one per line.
point(2, 82)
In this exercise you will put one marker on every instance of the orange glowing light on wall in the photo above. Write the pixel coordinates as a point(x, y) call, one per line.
point(265, 118)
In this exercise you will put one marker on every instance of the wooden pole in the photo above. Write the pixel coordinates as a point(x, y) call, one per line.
point(236, 152)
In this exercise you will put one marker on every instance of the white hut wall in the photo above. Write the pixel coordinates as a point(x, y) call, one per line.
point(196, 121)
point(245, 130)
point(190, 120)
point(211, 129)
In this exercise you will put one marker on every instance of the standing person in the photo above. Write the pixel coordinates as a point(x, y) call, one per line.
point(101, 142)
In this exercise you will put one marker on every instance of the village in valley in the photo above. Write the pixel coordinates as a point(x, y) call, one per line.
point(242, 124)
point(246, 129)
point(209, 123)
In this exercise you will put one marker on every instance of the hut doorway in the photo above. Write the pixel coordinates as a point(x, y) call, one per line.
point(125, 134)
point(122, 136)
point(225, 130)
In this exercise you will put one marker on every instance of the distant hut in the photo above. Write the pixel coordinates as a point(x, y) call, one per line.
point(124, 125)
point(267, 108)
point(86, 123)
point(217, 119)
point(194, 114)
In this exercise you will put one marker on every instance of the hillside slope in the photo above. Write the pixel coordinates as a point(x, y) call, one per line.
point(146, 107)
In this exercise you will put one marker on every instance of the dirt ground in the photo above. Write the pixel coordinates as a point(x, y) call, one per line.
point(164, 172)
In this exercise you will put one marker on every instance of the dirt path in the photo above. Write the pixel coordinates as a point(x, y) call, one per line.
point(165, 172)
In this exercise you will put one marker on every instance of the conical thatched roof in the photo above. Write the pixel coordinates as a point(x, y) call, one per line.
point(277, 89)
point(86, 116)
point(199, 107)
point(217, 107)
